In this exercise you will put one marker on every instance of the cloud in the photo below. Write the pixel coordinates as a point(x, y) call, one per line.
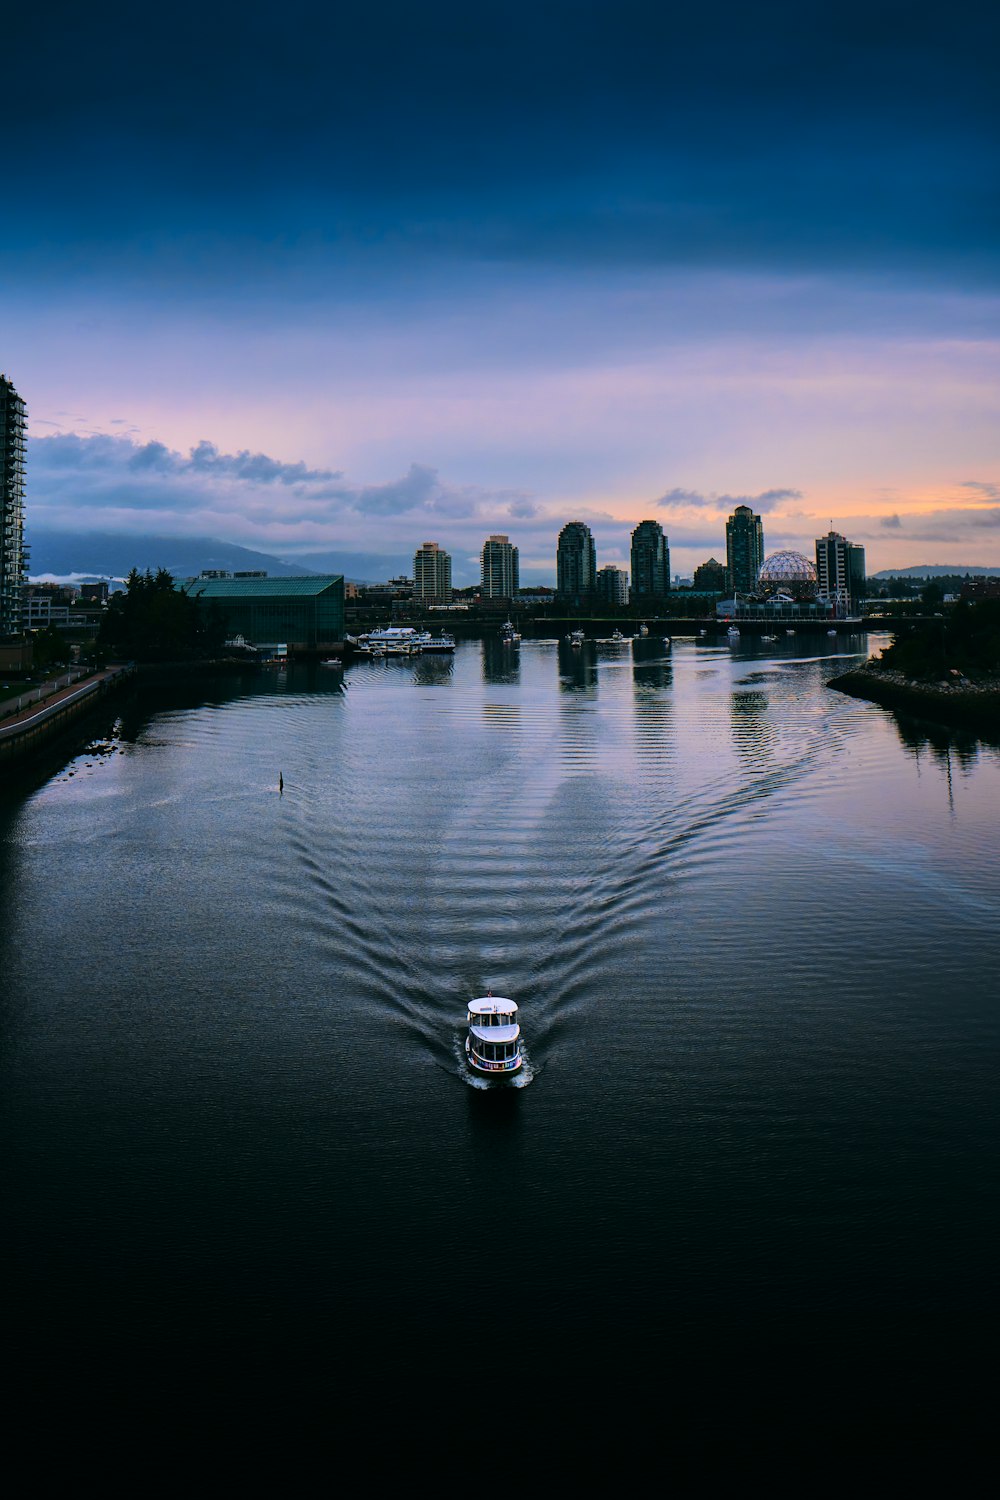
point(891, 523)
point(766, 500)
point(112, 483)
point(987, 490)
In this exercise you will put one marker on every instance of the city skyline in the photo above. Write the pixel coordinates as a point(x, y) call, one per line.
point(773, 281)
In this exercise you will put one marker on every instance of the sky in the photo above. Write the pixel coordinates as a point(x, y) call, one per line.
point(329, 279)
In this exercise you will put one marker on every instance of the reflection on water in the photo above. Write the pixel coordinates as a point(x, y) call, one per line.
point(577, 667)
point(727, 900)
point(501, 662)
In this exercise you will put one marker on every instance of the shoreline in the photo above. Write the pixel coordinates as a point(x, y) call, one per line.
point(968, 704)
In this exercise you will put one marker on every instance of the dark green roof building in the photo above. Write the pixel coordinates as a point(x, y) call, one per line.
point(306, 614)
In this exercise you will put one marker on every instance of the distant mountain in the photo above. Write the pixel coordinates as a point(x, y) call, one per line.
point(939, 570)
point(94, 554)
point(360, 567)
point(112, 555)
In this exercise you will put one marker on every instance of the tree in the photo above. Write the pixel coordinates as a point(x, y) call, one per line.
point(49, 648)
point(152, 620)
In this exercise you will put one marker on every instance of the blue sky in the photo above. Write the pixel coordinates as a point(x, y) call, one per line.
point(447, 270)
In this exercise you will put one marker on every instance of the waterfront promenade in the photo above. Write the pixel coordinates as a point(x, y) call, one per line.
point(41, 710)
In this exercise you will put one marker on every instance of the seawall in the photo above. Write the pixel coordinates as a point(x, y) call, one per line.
point(32, 729)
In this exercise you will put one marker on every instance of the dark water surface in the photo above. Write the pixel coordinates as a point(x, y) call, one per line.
point(752, 926)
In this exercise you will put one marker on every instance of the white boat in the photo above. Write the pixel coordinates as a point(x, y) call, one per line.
point(668, 642)
point(508, 634)
point(333, 661)
point(769, 638)
point(789, 632)
point(576, 637)
point(643, 630)
point(493, 1045)
point(436, 644)
point(831, 632)
point(395, 640)
point(733, 633)
point(617, 636)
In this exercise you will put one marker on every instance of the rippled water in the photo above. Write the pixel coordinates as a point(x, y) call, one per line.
point(752, 928)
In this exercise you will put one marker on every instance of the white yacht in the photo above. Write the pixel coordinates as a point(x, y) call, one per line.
point(508, 634)
point(576, 637)
point(438, 644)
point(617, 636)
point(395, 640)
point(732, 633)
point(493, 1045)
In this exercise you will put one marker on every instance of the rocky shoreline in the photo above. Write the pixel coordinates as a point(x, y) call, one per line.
point(955, 700)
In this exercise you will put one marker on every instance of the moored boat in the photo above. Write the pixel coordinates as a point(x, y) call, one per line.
point(576, 637)
point(395, 640)
point(508, 634)
point(493, 1045)
point(732, 633)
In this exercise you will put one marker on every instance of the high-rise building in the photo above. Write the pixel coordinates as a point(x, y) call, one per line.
point(13, 553)
point(650, 562)
point(744, 549)
point(576, 563)
point(500, 571)
point(432, 574)
point(612, 585)
point(711, 575)
point(840, 569)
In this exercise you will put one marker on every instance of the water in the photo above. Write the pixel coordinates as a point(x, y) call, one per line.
point(752, 928)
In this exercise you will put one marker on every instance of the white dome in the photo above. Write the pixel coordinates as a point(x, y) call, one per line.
point(784, 568)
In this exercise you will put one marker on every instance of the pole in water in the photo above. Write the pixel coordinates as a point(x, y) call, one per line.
point(281, 785)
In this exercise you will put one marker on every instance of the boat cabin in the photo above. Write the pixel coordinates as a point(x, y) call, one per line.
point(493, 1044)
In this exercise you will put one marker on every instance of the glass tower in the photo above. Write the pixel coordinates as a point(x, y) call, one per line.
point(650, 562)
point(744, 549)
point(13, 553)
point(576, 563)
point(432, 574)
point(500, 568)
point(840, 569)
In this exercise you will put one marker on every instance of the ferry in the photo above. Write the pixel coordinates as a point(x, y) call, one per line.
point(438, 644)
point(508, 634)
point(396, 640)
point(493, 1045)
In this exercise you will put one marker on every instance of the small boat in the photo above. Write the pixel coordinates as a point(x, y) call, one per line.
point(733, 633)
point(616, 636)
point(831, 632)
point(508, 634)
point(576, 637)
point(493, 1045)
point(333, 661)
point(769, 638)
point(643, 630)
point(703, 632)
point(789, 632)
point(668, 642)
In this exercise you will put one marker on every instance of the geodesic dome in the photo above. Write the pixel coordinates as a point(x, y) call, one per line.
point(787, 570)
